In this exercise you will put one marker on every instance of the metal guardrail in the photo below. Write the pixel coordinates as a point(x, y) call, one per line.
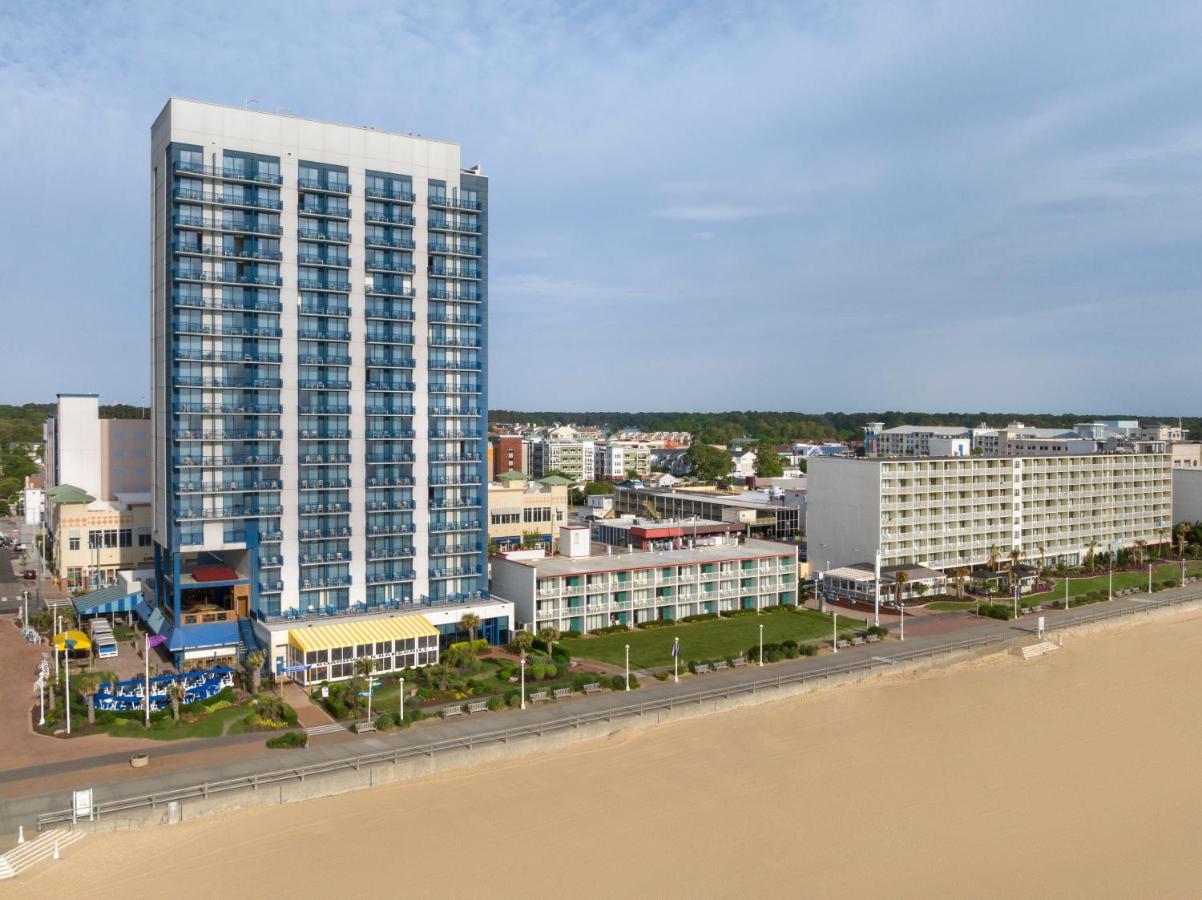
point(300, 773)
point(467, 742)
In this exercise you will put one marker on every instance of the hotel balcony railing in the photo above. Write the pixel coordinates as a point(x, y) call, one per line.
point(337, 236)
point(317, 509)
point(232, 486)
point(322, 484)
point(455, 248)
point(228, 409)
point(391, 409)
point(229, 174)
point(204, 224)
point(241, 384)
point(455, 457)
point(466, 433)
point(270, 587)
point(385, 266)
point(452, 549)
point(395, 387)
point(390, 553)
point(452, 411)
point(221, 278)
point(216, 434)
point(455, 572)
point(382, 309)
point(439, 387)
point(325, 409)
point(318, 534)
point(440, 224)
point(324, 359)
point(377, 336)
point(312, 559)
point(446, 318)
point(394, 243)
point(325, 434)
point(226, 330)
point(456, 503)
point(221, 461)
point(390, 434)
point(452, 202)
point(325, 309)
point(390, 482)
point(253, 305)
point(390, 361)
point(330, 212)
point(451, 527)
point(443, 480)
point(389, 291)
point(230, 512)
point(390, 528)
point(323, 384)
point(444, 340)
point(306, 284)
point(309, 184)
point(311, 259)
point(388, 194)
point(456, 273)
point(393, 575)
point(328, 582)
point(394, 459)
point(449, 364)
point(457, 296)
point(399, 218)
point(325, 459)
point(188, 249)
point(265, 562)
point(223, 200)
point(389, 505)
point(324, 334)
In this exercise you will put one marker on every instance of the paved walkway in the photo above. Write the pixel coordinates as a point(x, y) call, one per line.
point(217, 765)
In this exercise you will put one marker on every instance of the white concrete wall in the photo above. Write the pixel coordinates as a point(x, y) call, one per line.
point(1187, 495)
point(843, 511)
point(78, 441)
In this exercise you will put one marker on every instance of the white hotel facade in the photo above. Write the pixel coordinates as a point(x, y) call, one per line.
point(951, 512)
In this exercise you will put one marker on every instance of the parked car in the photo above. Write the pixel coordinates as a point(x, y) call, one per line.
point(30, 574)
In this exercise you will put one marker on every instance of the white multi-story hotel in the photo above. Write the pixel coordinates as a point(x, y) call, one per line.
point(319, 374)
point(574, 458)
point(588, 592)
point(944, 513)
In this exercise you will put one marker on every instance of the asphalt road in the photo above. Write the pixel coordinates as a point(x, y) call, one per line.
point(24, 810)
point(11, 584)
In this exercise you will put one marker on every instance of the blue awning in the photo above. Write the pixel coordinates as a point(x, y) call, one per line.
point(105, 601)
point(200, 637)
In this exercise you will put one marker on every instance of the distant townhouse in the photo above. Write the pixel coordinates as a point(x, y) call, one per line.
point(589, 592)
point(967, 512)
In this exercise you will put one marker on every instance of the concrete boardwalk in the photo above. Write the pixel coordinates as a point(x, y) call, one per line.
point(25, 809)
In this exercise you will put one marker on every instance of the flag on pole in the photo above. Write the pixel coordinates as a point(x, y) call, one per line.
point(155, 640)
point(676, 648)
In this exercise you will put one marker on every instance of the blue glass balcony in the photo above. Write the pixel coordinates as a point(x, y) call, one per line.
point(324, 359)
point(234, 227)
point(385, 309)
point(396, 217)
point(326, 409)
point(390, 290)
point(333, 284)
point(312, 259)
point(228, 174)
point(313, 559)
point(442, 527)
point(390, 434)
point(455, 503)
point(328, 187)
point(388, 505)
point(185, 248)
point(453, 480)
point(329, 211)
point(251, 278)
point(384, 265)
point(453, 549)
point(439, 387)
point(390, 552)
point(228, 409)
point(252, 304)
point(390, 575)
point(454, 248)
point(461, 296)
point(321, 484)
point(463, 272)
point(443, 200)
point(396, 243)
point(324, 384)
point(330, 308)
point(226, 434)
point(389, 194)
point(235, 460)
point(455, 571)
point(455, 457)
point(465, 411)
point(440, 224)
point(443, 340)
point(221, 199)
point(388, 336)
point(330, 235)
point(328, 333)
point(455, 365)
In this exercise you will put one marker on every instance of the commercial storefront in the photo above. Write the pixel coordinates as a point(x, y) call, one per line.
point(319, 653)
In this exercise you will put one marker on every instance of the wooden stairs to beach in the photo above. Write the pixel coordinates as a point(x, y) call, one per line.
point(1039, 649)
point(32, 852)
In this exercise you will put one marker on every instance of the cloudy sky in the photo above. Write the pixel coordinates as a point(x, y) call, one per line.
point(747, 205)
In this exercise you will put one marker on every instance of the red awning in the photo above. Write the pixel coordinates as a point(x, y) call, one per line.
point(214, 573)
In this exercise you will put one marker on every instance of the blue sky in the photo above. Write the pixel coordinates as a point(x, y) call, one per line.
point(710, 206)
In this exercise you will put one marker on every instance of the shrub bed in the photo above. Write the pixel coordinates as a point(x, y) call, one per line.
point(288, 740)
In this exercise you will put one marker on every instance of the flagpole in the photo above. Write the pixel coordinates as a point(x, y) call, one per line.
point(67, 690)
point(676, 660)
point(146, 685)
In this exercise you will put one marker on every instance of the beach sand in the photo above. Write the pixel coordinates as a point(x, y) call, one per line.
point(1072, 775)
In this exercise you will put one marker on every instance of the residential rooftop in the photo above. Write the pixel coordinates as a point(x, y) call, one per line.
point(551, 566)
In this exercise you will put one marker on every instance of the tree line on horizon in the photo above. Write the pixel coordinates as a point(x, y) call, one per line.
point(781, 427)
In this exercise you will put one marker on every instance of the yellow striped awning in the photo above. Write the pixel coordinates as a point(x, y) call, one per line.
point(310, 638)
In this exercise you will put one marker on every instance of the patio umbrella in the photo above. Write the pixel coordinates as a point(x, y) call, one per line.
point(71, 640)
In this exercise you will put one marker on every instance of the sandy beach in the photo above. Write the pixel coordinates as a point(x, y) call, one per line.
point(1071, 775)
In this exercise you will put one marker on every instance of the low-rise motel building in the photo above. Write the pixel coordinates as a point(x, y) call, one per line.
point(968, 512)
point(595, 590)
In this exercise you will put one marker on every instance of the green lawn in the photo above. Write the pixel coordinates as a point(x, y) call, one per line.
point(211, 725)
point(705, 640)
point(1080, 586)
point(950, 605)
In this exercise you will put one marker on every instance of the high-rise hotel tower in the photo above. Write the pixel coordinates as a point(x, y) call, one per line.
point(319, 376)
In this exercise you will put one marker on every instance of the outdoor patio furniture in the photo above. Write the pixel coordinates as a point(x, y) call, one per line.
point(447, 711)
point(738, 663)
point(538, 696)
point(561, 693)
point(592, 688)
point(721, 664)
point(701, 668)
point(477, 706)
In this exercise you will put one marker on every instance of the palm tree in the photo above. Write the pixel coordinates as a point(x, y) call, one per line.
point(88, 683)
point(549, 636)
point(469, 622)
point(1091, 549)
point(523, 641)
point(1041, 563)
point(1141, 547)
point(899, 585)
point(1182, 534)
point(175, 692)
point(1016, 556)
point(993, 558)
point(960, 575)
point(254, 667)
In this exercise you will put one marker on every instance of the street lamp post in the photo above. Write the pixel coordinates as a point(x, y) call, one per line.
point(523, 668)
point(835, 633)
point(67, 688)
point(41, 698)
point(402, 699)
point(627, 667)
point(1149, 578)
point(761, 645)
point(876, 591)
point(676, 660)
point(901, 619)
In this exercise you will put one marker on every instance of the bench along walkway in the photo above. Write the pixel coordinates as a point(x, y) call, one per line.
point(592, 687)
point(477, 706)
point(538, 697)
point(47, 808)
point(561, 693)
point(448, 711)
